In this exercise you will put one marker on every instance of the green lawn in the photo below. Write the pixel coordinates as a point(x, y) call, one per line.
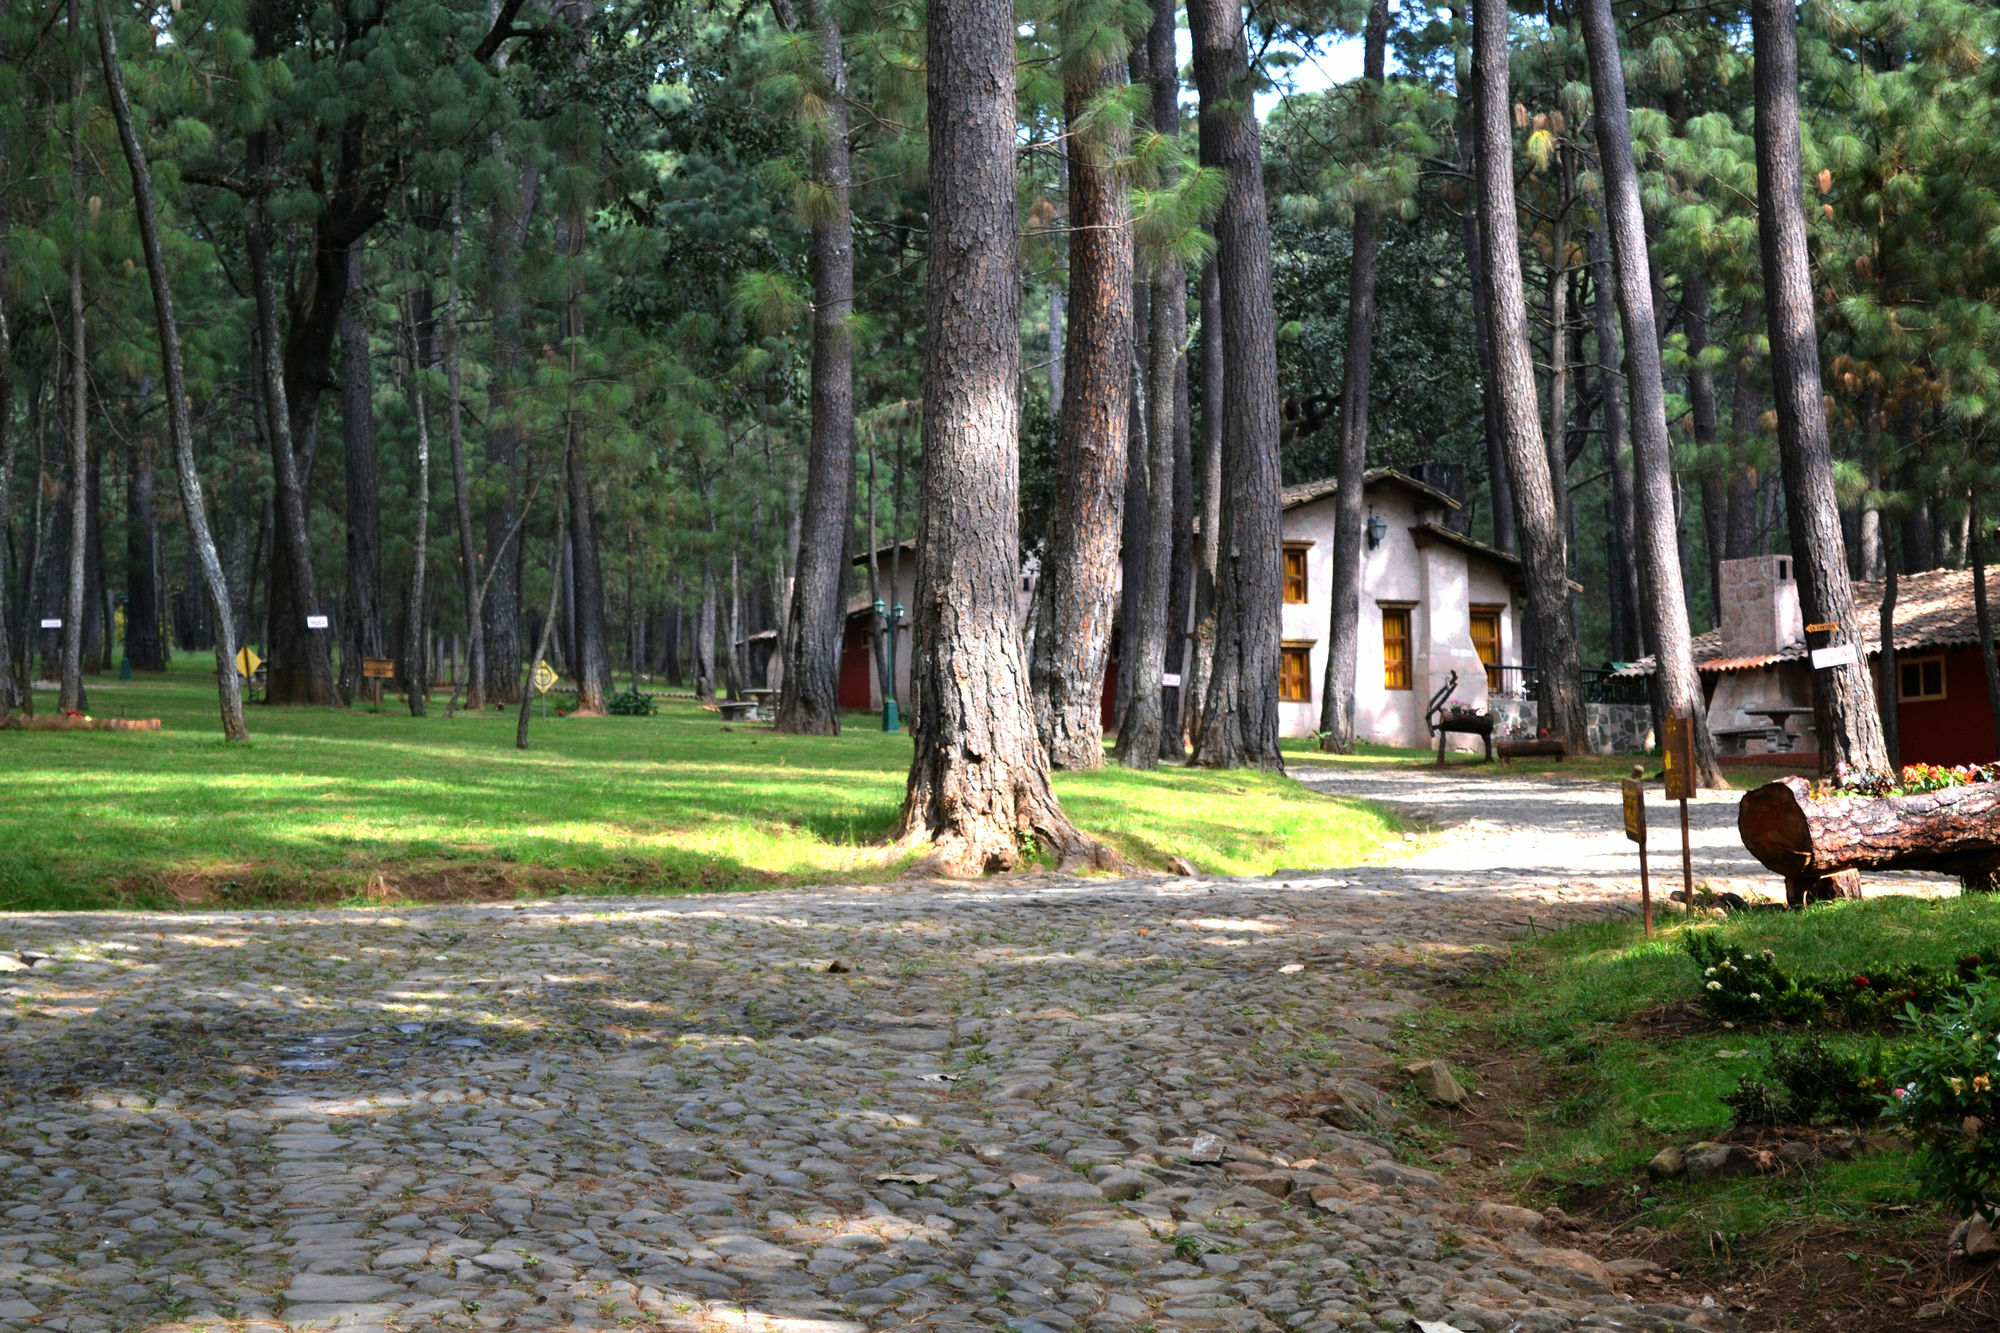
point(1620, 1063)
point(327, 805)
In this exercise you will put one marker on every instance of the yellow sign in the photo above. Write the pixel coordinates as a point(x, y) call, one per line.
point(1635, 810)
point(247, 662)
point(544, 678)
point(1679, 747)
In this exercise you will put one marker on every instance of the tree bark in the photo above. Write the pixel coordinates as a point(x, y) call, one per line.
point(1658, 532)
point(592, 664)
point(1240, 720)
point(502, 606)
point(1500, 492)
point(470, 584)
point(1343, 635)
point(10, 687)
point(1892, 742)
point(978, 790)
point(809, 701)
point(416, 643)
point(1976, 543)
point(1706, 430)
point(1535, 520)
point(1844, 714)
point(145, 649)
point(556, 550)
point(1208, 542)
point(1080, 555)
point(179, 426)
point(361, 628)
point(71, 695)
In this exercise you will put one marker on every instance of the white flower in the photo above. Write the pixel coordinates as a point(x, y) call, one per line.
point(1715, 985)
point(1708, 972)
point(1748, 959)
point(1755, 996)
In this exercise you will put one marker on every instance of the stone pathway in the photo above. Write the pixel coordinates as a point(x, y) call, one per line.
point(1039, 1104)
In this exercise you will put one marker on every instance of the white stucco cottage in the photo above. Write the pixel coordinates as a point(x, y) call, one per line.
point(1433, 601)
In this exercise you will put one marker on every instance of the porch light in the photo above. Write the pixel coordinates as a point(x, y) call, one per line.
point(1377, 529)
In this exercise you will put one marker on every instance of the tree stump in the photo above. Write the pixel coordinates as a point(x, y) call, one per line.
point(1821, 846)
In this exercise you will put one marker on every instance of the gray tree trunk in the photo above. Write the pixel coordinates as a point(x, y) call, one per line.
point(1844, 713)
point(1535, 520)
point(978, 787)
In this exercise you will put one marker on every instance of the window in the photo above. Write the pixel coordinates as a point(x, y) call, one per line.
point(1295, 575)
point(1486, 642)
point(1919, 678)
point(1395, 647)
point(1295, 673)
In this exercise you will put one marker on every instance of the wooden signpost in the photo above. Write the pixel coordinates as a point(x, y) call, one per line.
point(378, 668)
point(1678, 744)
point(1635, 829)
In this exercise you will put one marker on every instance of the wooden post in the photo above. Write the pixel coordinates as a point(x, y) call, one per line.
point(1635, 829)
point(1678, 743)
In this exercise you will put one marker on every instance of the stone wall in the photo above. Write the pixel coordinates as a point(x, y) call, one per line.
point(1614, 728)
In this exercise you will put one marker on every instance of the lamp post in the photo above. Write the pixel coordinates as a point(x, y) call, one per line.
point(890, 620)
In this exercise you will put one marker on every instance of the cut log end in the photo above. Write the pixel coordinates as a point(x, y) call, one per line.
point(1773, 825)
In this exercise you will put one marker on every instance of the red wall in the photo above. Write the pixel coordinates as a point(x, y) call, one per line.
point(1957, 729)
point(857, 666)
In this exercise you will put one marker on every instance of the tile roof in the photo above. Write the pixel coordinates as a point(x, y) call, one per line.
point(1934, 609)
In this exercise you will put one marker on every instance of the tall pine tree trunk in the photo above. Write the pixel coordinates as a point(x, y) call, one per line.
point(71, 696)
point(145, 649)
point(179, 426)
point(1535, 520)
point(1658, 534)
point(361, 628)
point(1208, 541)
point(10, 692)
point(471, 586)
point(979, 786)
point(809, 699)
point(502, 605)
point(1982, 612)
point(1343, 635)
point(1240, 717)
point(1850, 729)
point(1499, 492)
point(1892, 742)
point(417, 641)
point(1623, 566)
point(1080, 557)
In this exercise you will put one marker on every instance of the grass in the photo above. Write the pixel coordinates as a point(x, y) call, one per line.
point(355, 805)
point(1611, 1061)
point(1595, 767)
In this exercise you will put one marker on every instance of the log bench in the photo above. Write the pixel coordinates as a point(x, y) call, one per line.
point(1822, 846)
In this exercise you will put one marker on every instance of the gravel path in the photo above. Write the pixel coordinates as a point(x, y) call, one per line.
point(1038, 1105)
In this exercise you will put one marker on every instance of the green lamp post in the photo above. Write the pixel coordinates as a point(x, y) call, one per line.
point(891, 716)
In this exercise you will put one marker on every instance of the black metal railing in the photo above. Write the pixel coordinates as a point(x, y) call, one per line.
point(1600, 685)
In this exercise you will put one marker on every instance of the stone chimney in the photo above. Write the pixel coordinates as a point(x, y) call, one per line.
point(1760, 606)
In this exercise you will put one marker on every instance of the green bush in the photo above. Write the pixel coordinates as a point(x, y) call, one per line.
point(631, 704)
point(1742, 986)
point(1947, 1094)
point(1807, 1082)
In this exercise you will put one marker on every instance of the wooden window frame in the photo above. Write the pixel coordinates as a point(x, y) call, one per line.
point(1905, 663)
point(1408, 659)
point(1498, 611)
point(1305, 574)
point(1302, 647)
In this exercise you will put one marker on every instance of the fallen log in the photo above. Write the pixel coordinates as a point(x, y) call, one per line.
point(65, 722)
point(1537, 748)
point(1820, 846)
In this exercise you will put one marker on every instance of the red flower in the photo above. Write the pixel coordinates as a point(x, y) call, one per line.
point(1861, 981)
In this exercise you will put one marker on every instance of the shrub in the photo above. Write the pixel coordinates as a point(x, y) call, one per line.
point(1739, 985)
point(631, 704)
point(1808, 1081)
point(1736, 984)
point(1947, 1094)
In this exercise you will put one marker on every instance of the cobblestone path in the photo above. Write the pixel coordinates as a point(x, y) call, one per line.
point(1038, 1104)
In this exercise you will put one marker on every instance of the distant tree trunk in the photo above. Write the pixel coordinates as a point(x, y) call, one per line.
point(1741, 538)
point(1660, 563)
point(1180, 588)
point(809, 702)
point(704, 637)
point(71, 695)
point(1343, 635)
point(1844, 714)
point(1149, 730)
point(10, 691)
point(1892, 740)
point(556, 550)
point(592, 658)
point(1240, 719)
point(1706, 429)
point(1976, 545)
point(145, 649)
point(470, 585)
point(179, 426)
point(1208, 541)
point(1624, 565)
point(1535, 519)
point(502, 606)
point(1499, 491)
point(1080, 554)
point(416, 644)
point(978, 787)
point(361, 627)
